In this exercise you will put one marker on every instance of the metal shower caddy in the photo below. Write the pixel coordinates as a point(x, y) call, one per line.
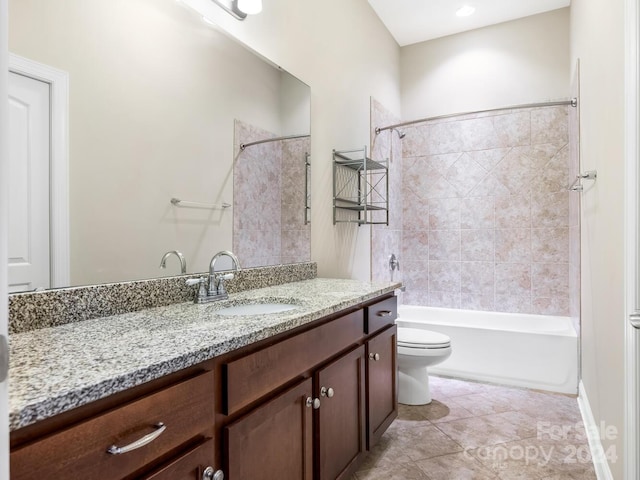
point(360, 186)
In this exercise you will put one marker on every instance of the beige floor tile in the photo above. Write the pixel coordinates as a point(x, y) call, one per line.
point(437, 411)
point(489, 429)
point(412, 412)
point(386, 453)
point(483, 432)
point(425, 442)
point(458, 466)
point(536, 459)
point(484, 403)
point(452, 387)
point(403, 471)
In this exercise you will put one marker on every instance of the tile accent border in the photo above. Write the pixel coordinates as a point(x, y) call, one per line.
point(603, 471)
point(35, 310)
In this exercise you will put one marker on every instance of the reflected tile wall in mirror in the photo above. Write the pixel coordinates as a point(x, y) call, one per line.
point(269, 199)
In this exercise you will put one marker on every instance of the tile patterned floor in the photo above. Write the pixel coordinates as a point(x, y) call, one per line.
point(476, 431)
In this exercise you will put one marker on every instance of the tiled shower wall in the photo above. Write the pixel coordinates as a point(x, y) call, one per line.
point(485, 221)
point(269, 199)
point(386, 240)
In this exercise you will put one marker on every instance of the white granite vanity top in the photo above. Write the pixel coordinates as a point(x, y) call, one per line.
point(59, 368)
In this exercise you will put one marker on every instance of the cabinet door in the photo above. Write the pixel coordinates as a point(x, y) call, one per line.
point(340, 431)
point(382, 398)
point(189, 465)
point(274, 441)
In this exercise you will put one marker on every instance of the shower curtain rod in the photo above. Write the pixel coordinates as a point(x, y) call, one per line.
point(274, 139)
point(573, 102)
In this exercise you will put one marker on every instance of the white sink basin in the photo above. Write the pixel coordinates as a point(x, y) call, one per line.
point(257, 309)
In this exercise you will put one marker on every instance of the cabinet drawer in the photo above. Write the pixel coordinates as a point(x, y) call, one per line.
point(381, 314)
point(251, 377)
point(188, 466)
point(80, 451)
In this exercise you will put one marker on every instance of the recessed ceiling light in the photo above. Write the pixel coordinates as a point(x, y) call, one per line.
point(465, 11)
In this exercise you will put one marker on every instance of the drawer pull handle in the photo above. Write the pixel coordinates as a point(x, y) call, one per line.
point(115, 450)
point(313, 402)
point(374, 356)
point(385, 313)
point(327, 392)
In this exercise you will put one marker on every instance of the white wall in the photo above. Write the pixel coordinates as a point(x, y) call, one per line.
point(597, 39)
point(516, 62)
point(345, 54)
point(295, 108)
point(4, 216)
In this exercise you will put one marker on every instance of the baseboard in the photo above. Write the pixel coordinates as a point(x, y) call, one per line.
point(600, 464)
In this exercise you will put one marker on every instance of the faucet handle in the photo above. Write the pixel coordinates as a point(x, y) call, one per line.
point(202, 291)
point(221, 279)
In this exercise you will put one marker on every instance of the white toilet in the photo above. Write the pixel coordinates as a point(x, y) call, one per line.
point(417, 350)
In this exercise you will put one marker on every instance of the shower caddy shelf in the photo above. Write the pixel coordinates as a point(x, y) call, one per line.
point(360, 186)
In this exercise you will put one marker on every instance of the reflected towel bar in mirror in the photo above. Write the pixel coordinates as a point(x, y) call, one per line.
point(211, 206)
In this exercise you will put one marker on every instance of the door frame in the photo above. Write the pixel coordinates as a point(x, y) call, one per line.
point(4, 221)
point(632, 240)
point(58, 81)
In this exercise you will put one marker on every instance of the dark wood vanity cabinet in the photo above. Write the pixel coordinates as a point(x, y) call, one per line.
point(305, 404)
point(345, 399)
point(322, 417)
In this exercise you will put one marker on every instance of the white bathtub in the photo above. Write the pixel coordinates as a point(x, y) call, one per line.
point(533, 351)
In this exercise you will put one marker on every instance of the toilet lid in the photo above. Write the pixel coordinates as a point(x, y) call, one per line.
point(415, 337)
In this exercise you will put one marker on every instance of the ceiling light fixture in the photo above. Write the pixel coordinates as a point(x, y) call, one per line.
point(465, 11)
point(250, 7)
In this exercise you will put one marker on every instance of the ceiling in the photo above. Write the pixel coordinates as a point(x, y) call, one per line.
point(413, 21)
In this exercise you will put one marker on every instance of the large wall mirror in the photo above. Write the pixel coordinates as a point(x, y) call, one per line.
point(160, 103)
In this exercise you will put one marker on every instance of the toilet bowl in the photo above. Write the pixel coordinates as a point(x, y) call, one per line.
point(417, 350)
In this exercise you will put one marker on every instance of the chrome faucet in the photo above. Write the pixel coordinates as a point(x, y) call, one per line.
point(216, 281)
point(216, 290)
point(183, 262)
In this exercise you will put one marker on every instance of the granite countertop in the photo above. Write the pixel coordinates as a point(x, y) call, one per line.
point(59, 368)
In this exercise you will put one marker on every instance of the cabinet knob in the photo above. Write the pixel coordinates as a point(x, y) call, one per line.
point(313, 402)
point(374, 356)
point(208, 474)
point(327, 392)
point(384, 313)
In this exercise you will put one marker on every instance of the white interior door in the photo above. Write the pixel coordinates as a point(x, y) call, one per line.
point(29, 158)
